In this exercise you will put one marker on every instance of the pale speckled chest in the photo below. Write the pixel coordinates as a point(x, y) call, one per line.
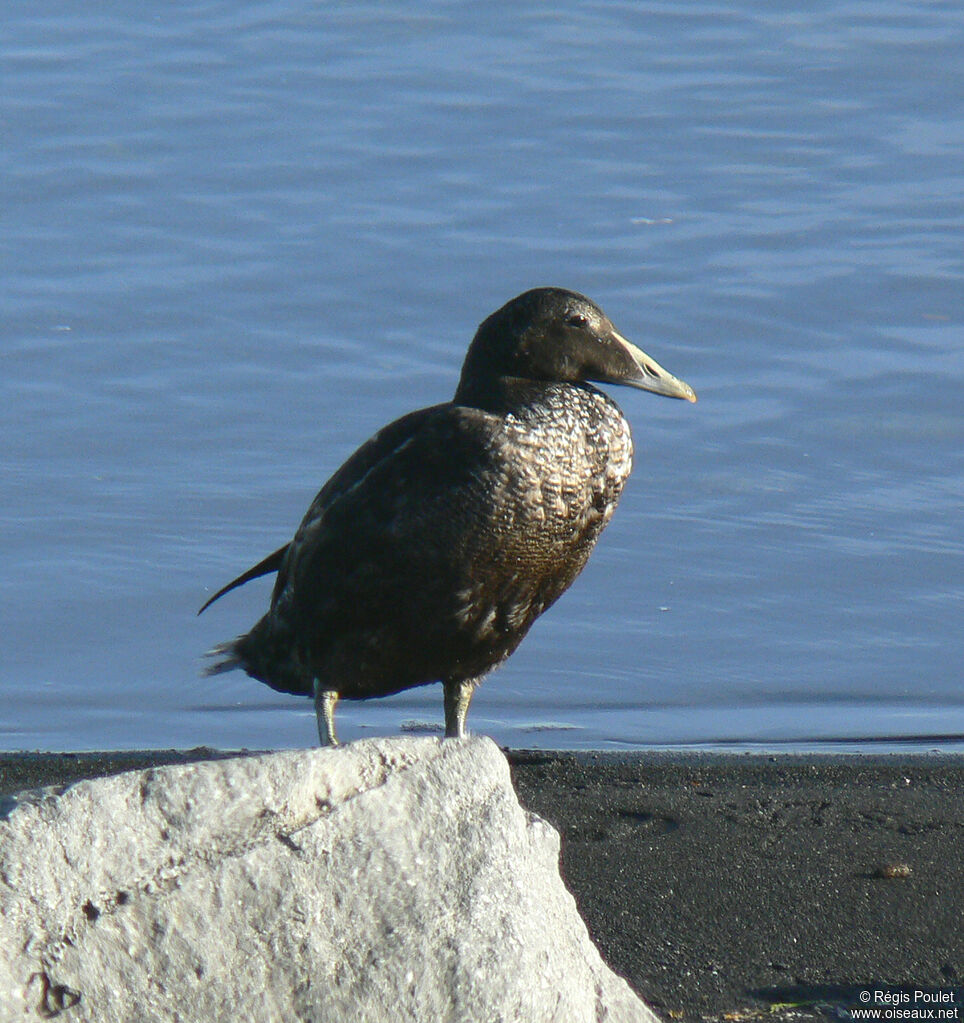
point(557, 462)
point(570, 454)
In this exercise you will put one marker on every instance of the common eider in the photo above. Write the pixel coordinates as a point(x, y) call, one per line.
point(432, 550)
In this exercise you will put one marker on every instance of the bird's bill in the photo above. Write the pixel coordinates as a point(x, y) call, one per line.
point(652, 376)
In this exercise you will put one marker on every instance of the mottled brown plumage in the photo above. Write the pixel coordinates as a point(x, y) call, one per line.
point(432, 550)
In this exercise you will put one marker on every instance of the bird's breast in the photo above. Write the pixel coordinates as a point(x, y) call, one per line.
point(567, 460)
point(556, 472)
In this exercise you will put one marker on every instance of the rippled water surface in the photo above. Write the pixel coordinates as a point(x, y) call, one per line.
point(238, 238)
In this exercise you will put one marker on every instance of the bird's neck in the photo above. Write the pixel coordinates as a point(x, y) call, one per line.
point(509, 394)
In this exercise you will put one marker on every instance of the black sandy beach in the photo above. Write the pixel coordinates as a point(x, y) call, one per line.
point(733, 886)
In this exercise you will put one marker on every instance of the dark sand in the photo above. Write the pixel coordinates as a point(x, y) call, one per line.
point(728, 885)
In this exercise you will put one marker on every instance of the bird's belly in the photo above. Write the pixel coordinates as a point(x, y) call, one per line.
point(464, 607)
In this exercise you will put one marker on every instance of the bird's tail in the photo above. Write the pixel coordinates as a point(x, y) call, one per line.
point(230, 657)
point(265, 653)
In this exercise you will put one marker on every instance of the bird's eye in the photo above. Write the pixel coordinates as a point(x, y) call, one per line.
point(577, 320)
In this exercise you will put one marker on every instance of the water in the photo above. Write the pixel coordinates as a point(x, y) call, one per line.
point(238, 238)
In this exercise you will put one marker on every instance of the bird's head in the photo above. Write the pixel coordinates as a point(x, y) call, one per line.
point(556, 335)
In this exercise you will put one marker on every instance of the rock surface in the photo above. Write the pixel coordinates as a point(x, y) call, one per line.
point(394, 879)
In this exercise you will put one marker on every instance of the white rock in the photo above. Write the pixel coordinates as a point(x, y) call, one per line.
point(388, 880)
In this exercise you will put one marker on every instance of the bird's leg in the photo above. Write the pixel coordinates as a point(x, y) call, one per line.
point(457, 697)
point(325, 701)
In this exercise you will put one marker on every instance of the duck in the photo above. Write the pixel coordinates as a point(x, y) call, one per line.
point(429, 554)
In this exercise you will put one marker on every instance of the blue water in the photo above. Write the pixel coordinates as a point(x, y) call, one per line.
point(238, 237)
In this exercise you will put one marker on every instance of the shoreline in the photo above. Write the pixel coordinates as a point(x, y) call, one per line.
point(728, 884)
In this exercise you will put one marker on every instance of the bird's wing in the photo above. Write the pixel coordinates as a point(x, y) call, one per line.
point(361, 462)
point(371, 454)
point(407, 505)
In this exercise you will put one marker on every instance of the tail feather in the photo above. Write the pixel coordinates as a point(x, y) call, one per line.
point(270, 564)
point(231, 658)
point(266, 654)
